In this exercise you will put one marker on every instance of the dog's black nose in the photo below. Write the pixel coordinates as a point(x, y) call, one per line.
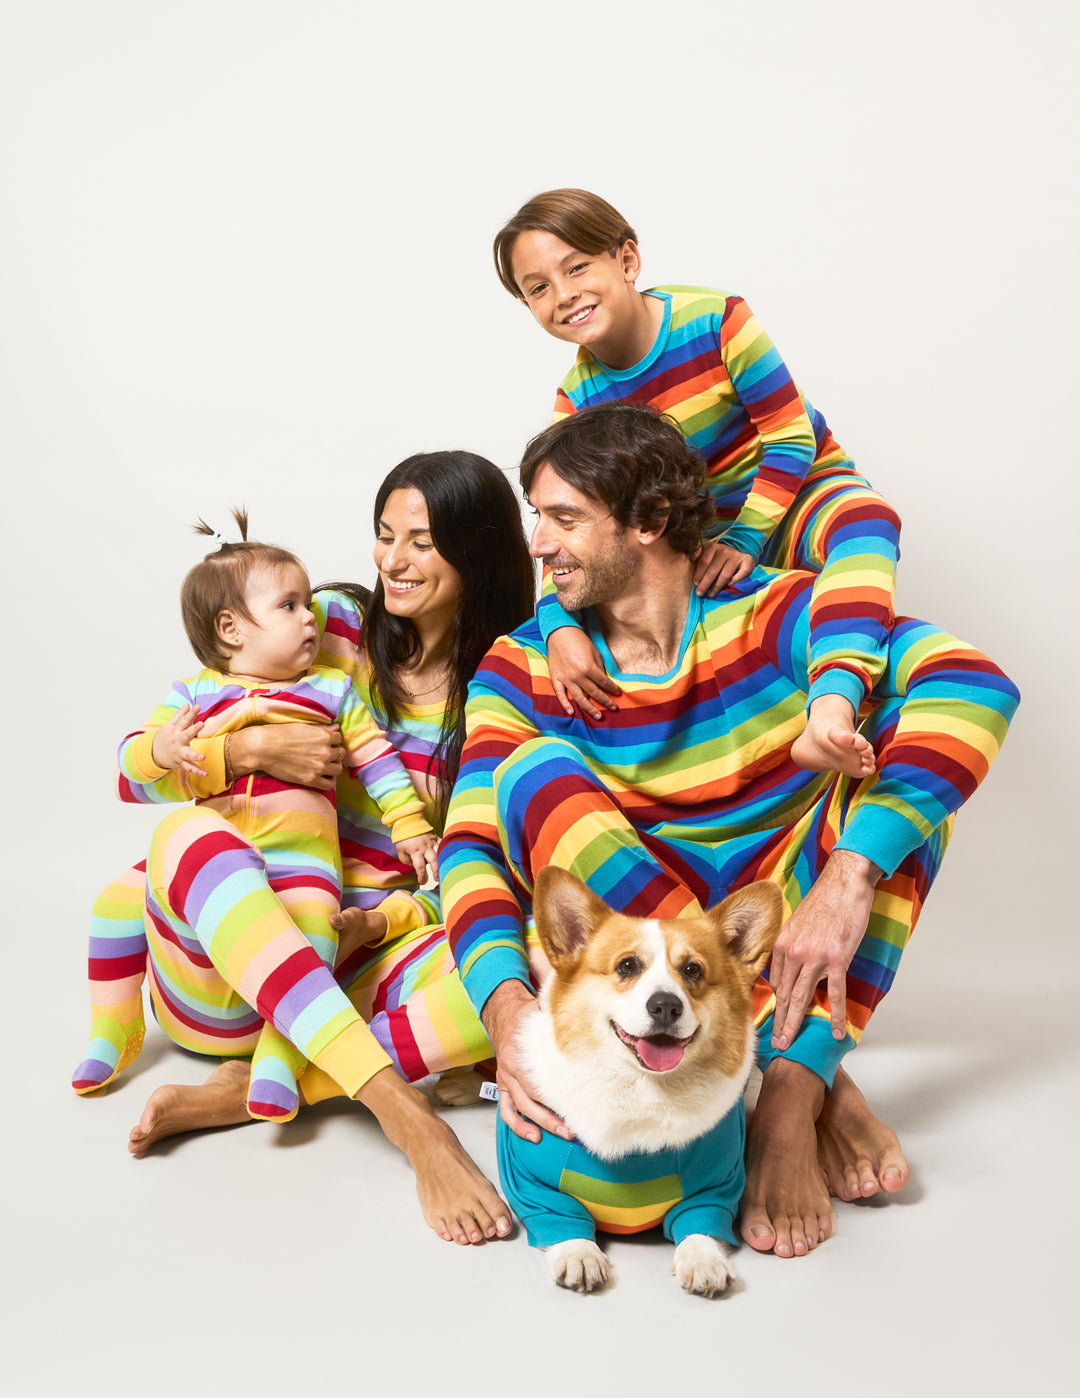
point(665, 1008)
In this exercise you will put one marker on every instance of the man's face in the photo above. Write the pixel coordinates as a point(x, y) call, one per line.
point(590, 556)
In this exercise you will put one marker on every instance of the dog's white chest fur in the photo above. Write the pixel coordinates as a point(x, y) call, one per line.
point(615, 1107)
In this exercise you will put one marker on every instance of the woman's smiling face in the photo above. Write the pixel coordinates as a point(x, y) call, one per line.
point(417, 580)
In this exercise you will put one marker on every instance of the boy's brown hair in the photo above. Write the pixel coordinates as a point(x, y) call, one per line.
point(217, 585)
point(579, 218)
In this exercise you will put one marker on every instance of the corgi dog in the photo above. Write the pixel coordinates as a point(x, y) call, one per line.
point(643, 1044)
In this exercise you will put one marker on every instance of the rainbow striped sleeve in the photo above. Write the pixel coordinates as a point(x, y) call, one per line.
point(373, 761)
point(777, 414)
point(484, 919)
point(139, 780)
point(957, 705)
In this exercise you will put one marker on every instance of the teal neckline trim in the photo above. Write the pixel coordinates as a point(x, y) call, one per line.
point(657, 345)
point(592, 628)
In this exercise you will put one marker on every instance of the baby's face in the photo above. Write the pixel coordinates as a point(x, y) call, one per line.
point(281, 640)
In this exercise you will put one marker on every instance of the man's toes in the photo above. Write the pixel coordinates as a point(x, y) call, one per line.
point(868, 1181)
point(785, 1242)
point(894, 1177)
point(758, 1232)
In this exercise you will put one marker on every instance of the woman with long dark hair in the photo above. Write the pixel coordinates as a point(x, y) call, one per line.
point(453, 573)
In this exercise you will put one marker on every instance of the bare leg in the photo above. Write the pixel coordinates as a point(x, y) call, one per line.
point(170, 1110)
point(858, 1153)
point(785, 1205)
point(456, 1200)
point(829, 743)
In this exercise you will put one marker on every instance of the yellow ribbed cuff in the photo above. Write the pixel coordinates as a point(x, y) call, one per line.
point(352, 1059)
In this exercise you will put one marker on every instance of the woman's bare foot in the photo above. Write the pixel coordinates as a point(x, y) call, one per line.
point(785, 1205)
point(858, 1154)
point(829, 742)
point(220, 1101)
point(455, 1198)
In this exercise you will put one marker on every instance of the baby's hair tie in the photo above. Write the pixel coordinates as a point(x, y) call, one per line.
point(215, 537)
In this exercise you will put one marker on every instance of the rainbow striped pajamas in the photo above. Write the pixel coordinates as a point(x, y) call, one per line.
point(785, 492)
point(688, 790)
point(280, 836)
point(420, 1019)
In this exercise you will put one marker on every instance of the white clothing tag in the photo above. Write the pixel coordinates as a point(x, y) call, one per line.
point(489, 1092)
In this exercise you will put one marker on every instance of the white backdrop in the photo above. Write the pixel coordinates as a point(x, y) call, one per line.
point(246, 259)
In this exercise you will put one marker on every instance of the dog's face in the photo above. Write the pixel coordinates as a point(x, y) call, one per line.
point(658, 998)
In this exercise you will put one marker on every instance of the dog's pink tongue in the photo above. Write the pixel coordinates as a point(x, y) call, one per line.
point(660, 1054)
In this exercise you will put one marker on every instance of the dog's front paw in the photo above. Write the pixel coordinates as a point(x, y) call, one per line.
point(579, 1265)
point(701, 1266)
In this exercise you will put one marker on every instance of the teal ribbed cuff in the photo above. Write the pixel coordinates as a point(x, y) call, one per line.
point(880, 834)
point(814, 1047)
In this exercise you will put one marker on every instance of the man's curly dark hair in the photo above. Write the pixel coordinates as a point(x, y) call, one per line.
point(636, 462)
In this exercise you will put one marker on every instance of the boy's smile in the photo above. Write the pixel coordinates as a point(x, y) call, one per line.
point(587, 298)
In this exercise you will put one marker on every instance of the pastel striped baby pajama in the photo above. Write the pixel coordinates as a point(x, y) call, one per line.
point(420, 1019)
point(273, 848)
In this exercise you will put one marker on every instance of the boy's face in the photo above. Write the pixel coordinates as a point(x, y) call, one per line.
point(583, 298)
point(280, 641)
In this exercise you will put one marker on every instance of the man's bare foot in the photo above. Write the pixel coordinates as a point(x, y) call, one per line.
point(220, 1101)
point(460, 1087)
point(785, 1205)
point(829, 743)
point(455, 1198)
point(858, 1154)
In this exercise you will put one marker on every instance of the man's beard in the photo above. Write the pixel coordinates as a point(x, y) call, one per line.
point(602, 579)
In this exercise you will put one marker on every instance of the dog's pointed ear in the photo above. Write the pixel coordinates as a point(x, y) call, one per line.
point(750, 920)
point(566, 912)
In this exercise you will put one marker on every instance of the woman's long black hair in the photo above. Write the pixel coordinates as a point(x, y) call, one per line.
point(476, 525)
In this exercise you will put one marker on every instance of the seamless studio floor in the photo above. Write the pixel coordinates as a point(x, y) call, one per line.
point(275, 1260)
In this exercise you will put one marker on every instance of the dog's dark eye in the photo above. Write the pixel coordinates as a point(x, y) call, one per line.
point(692, 971)
point(627, 967)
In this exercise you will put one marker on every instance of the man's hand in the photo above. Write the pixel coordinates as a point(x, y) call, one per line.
point(577, 673)
point(302, 754)
point(717, 566)
point(172, 748)
point(506, 1007)
point(818, 941)
point(422, 852)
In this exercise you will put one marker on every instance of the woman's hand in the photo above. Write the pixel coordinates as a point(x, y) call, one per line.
point(171, 748)
point(302, 754)
point(422, 852)
point(718, 566)
point(577, 672)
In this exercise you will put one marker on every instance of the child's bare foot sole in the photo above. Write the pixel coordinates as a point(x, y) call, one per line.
point(829, 743)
